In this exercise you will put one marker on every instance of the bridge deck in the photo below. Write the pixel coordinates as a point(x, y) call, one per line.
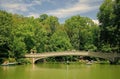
point(77, 53)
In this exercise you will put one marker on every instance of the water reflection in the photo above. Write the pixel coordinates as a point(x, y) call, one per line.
point(5, 68)
point(67, 71)
point(60, 71)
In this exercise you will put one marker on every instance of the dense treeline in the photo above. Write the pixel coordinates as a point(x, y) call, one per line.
point(20, 35)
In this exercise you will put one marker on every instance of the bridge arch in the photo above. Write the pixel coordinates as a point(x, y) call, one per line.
point(37, 59)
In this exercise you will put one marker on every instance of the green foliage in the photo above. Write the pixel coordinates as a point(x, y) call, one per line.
point(60, 41)
point(105, 14)
point(23, 61)
point(50, 24)
point(109, 17)
point(18, 47)
point(43, 17)
point(5, 34)
point(41, 39)
point(5, 25)
point(81, 31)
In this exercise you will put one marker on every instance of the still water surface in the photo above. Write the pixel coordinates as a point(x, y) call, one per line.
point(60, 71)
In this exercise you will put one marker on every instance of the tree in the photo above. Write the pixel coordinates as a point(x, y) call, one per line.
point(59, 41)
point(116, 24)
point(110, 32)
point(43, 17)
point(5, 33)
point(41, 39)
point(18, 46)
point(80, 31)
point(50, 23)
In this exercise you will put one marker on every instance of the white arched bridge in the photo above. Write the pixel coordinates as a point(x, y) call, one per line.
point(112, 57)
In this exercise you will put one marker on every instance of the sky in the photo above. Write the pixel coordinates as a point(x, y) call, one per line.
point(63, 9)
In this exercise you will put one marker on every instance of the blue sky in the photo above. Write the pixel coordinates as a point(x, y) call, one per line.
point(63, 9)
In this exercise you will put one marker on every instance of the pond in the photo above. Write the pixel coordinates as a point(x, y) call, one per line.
point(60, 71)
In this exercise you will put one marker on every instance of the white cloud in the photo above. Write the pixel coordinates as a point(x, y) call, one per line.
point(20, 5)
point(29, 9)
point(96, 21)
point(81, 6)
point(16, 6)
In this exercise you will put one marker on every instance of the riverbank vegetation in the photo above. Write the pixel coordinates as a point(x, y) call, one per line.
point(20, 35)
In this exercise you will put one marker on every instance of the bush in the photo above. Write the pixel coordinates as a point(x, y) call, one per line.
point(23, 61)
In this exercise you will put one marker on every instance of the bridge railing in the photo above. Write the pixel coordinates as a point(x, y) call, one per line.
point(83, 53)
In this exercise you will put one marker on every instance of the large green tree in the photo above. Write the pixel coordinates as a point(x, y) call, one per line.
point(50, 23)
point(59, 41)
point(109, 23)
point(81, 33)
point(5, 33)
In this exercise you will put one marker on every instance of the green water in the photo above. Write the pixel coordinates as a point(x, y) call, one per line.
point(60, 71)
